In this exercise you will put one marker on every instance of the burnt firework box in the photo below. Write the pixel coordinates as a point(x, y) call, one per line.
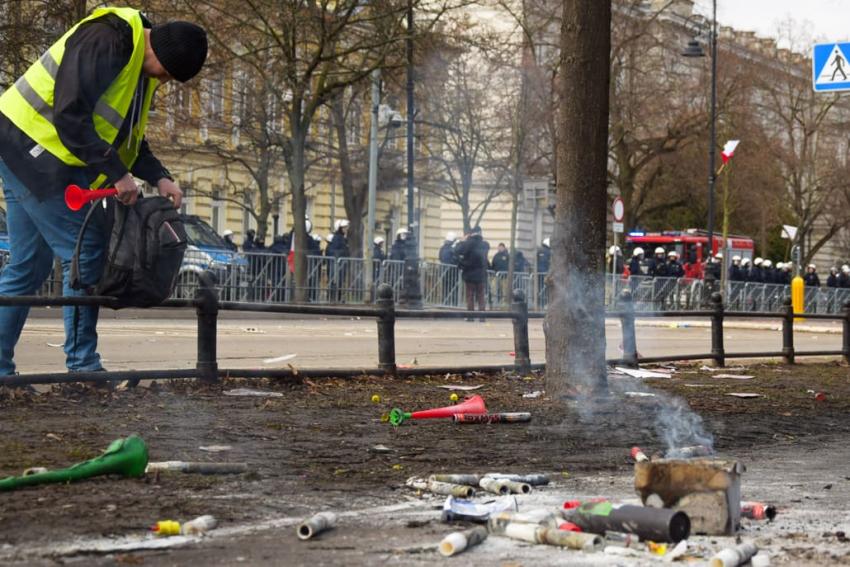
point(707, 490)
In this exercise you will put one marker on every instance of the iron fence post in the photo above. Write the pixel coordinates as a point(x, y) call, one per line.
point(522, 358)
point(846, 345)
point(717, 352)
point(627, 323)
point(788, 331)
point(386, 329)
point(206, 302)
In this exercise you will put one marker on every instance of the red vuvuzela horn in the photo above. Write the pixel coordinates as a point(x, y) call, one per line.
point(472, 405)
point(76, 196)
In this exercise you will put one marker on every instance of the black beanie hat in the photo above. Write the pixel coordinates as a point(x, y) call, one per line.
point(181, 47)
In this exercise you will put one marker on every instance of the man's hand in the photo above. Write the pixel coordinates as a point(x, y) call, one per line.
point(167, 188)
point(128, 191)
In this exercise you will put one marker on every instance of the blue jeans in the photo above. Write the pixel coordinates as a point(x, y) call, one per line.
point(38, 231)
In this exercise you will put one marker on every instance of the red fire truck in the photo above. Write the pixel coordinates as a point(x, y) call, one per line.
point(692, 246)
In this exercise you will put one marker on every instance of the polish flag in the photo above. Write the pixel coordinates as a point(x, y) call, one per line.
point(729, 150)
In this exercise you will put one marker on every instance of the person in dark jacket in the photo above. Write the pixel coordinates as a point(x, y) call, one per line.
point(520, 263)
point(844, 277)
point(811, 278)
point(674, 267)
point(249, 244)
point(544, 257)
point(399, 247)
point(228, 240)
point(500, 264)
point(736, 274)
point(615, 260)
point(472, 253)
point(501, 259)
point(832, 278)
point(447, 250)
point(378, 249)
point(756, 272)
point(767, 273)
point(658, 264)
point(78, 116)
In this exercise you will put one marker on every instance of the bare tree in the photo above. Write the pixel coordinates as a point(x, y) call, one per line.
point(462, 130)
point(575, 319)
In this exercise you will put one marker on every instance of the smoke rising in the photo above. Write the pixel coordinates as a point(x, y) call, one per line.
point(680, 427)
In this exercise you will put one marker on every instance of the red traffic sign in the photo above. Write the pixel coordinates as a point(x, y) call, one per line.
point(619, 209)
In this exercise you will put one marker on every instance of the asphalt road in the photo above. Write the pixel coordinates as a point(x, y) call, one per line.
point(149, 343)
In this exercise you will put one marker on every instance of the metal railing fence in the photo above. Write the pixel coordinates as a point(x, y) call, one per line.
point(265, 278)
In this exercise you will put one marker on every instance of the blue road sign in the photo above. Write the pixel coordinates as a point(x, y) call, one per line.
point(830, 67)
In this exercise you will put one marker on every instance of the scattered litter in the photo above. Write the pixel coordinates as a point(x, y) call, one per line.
point(376, 398)
point(460, 387)
point(637, 373)
point(533, 533)
point(735, 376)
point(678, 551)
point(126, 457)
point(55, 345)
point(758, 511)
point(380, 449)
point(532, 479)
point(639, 395)
point(443, 488)
point(503, 486)
point(459, 510)
point(319, 523)
point(654, 524)
point(534, 394)
point(197, 468)
point(34, 470)
point(473, 405)
point(54, 437)
point(247, 392)
point(638, 455)
point(215, 448)
point(198, 526)
point(820, 397)
point(717, 368)
point(511, 417)
point(457, 542)
point(283, 358)
point(744, 395)
point(253, 330)
point(734, 556)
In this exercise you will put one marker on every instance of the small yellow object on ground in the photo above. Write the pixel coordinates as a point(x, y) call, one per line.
point(376, 399)
point(453, 397)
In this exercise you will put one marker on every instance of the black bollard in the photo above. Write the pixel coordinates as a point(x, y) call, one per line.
point(206, 302)
point(386, 329)
point(522, 360)
point(846, 345)
point(627, 322)
point(788, 330)
point(717, 352)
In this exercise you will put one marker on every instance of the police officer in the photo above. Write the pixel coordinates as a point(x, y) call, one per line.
point(735, 272)
point(635, 264)
point(447, 250)
point(658, 265)
point(674, 267)
point(844, 277)
point(378, 249)
point(832, 278)
point(544, 255)
point(811, 278)
point(399, 247)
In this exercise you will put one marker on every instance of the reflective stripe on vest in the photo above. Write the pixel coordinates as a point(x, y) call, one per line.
point(29, 103)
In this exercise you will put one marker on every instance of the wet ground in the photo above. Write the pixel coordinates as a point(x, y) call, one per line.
point(314, 448)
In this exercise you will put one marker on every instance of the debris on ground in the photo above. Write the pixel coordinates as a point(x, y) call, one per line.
point(534, 394)
point(637, 373)
point(457, 542)
point(198, 526)
point(126, 457)
point(283, 358)
point(744, 395)
point(247, 392)
point(316, 524)
point(735, 376)
point(460, 387)
point(196, 467)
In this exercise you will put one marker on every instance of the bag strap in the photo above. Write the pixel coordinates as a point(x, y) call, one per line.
point(75, 260)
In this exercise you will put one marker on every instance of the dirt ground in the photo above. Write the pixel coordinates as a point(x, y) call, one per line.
point(314, 448)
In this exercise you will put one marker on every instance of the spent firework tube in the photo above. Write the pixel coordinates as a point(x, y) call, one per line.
point(457, 542)
point(638, 455)
point(655, 524)
point(758, 511)
point(532, 479)
point(513, 417)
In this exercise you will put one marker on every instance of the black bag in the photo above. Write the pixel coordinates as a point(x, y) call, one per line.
point(146, 250)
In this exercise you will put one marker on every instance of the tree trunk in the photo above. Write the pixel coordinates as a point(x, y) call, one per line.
point(354, 193)
point(299, 214)
point(575, 318)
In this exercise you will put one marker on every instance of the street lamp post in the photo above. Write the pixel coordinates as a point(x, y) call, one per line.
point(694, 50)
point(411, 295)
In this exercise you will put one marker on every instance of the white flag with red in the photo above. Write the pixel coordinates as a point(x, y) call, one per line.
point(729, 150)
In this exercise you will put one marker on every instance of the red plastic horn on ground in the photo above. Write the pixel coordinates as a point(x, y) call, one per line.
point(76, 196)
point(472, 405)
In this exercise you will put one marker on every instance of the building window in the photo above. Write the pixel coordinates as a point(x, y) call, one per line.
point(215, 99)
point(217, 211)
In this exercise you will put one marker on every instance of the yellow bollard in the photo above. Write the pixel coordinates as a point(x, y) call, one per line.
point(798, 294)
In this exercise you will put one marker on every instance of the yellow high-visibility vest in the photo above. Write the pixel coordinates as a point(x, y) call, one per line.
point(29, 102)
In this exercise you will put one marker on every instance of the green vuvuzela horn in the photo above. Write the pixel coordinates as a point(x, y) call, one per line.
point(127, 457)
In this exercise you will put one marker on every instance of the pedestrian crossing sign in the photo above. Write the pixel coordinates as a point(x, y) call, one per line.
point(830, 67)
